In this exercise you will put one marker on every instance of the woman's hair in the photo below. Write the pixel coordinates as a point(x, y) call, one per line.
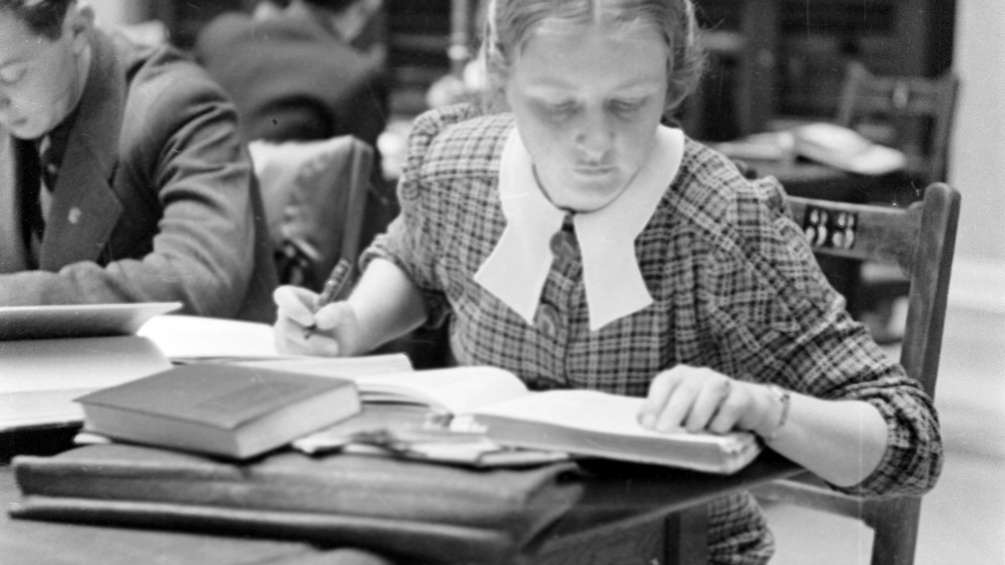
point(335, 6)
point(509, 24)
point(43, 17)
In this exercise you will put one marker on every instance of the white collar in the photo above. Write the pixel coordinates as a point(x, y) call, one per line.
point(614, 284)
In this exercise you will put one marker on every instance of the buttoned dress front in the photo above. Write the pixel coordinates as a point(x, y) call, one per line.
point(734, 288)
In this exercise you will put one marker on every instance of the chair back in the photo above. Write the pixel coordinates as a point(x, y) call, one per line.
point(315, 195)
point(920, 240)
point(913, 114)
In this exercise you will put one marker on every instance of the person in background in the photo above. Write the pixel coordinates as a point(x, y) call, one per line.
point(572, 239)
point(295, 73)
point(123, 177)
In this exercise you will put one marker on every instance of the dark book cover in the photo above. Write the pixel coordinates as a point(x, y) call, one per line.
point(220, 409)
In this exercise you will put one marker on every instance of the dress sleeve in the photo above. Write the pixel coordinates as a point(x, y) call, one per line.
point(413, 240)
point(784, 323)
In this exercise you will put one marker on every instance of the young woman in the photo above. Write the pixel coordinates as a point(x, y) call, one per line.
point(575, 241)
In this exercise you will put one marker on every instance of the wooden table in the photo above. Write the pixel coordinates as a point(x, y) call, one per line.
point(627, 513)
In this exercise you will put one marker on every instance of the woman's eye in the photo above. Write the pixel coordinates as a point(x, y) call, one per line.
point(560, 108)
point(626, 107)
point(12, 75)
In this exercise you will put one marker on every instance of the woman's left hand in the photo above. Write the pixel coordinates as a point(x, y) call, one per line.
point(700, 399)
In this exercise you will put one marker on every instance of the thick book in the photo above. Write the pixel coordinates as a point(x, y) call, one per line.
point(497, 403)
point(598, 424)
point(220, 409)
point(419, 511)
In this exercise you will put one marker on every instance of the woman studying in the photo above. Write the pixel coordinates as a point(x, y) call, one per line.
point(572, 239)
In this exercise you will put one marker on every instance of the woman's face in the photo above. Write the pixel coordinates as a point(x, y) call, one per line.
point(587, 102)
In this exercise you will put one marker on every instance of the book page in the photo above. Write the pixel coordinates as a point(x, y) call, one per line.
point(846, 149)
point(587, 410)
point(78, 320)
point(41, 377)
point(345, 367)
point(452, 390)
point(183, 337)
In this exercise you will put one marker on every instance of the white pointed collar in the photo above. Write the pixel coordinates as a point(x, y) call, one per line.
point(614, 284)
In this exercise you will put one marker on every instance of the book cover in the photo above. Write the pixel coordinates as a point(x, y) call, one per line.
point(294, 493)
point(78, 320)
point(219, 409)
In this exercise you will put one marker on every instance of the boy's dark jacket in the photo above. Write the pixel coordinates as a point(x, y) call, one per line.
point(152, 133)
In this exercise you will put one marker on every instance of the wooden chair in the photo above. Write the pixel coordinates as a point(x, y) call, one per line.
point(920, 240)
point(316, 201)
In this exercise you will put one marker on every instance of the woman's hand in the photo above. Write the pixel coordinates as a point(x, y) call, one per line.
point(336, 327)
point(700, 399)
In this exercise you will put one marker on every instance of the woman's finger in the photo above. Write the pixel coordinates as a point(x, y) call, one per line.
point(706, 404)
point(288, 336)
point(679, 405)
point(730, 410)
point(332, 315)
point(660, 389)
point(295, 303)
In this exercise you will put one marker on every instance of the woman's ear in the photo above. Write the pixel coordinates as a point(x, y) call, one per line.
point(79, 21)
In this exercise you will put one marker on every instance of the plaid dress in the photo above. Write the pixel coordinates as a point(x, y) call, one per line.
point(734, 287)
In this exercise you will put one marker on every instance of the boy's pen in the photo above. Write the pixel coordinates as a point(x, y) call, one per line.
point(333, 286)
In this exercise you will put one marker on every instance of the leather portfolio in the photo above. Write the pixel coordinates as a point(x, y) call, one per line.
point(409, 510)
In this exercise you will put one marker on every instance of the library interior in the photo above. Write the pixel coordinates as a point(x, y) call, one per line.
point(881, 119)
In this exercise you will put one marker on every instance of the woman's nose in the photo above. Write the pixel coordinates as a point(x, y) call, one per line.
point(5, 104)
point(595, 136)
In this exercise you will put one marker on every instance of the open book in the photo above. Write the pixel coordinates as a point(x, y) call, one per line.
point(599, 424)
point(824, 142)
point(846, 149)
point(496, 402)
point(194, 338)
point(50, 355)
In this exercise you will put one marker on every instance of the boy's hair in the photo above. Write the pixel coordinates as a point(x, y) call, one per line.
point(511, 23)
point(43, 17)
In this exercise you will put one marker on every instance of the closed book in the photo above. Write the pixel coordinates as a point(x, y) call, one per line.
point(219, 409)
point(356, 499)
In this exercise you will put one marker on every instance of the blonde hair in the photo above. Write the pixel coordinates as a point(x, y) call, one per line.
point(509, 24)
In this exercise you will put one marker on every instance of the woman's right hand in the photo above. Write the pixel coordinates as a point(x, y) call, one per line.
point(336, 326)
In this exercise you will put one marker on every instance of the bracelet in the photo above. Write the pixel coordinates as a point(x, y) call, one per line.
point(785, 397)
